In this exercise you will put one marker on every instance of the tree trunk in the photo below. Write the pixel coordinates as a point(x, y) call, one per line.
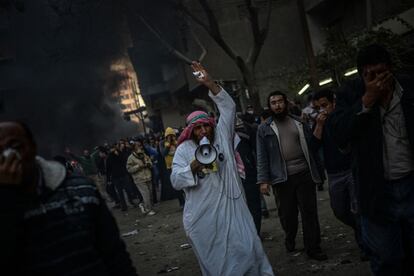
point(250, 81)
point(308, 46)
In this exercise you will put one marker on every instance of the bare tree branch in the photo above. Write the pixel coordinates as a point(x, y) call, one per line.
point(259, 35)
point(213, 29)
point(254, 20)
point(212, 20)
point(182, 7)
point(265, 30)
point(203, 48)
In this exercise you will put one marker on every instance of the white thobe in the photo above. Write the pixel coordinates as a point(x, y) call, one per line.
point(216, 218)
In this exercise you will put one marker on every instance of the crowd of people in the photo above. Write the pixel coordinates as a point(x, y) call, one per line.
point(359, 138)
point(133, 171)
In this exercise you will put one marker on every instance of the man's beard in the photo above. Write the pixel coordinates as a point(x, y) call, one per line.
point(280, 116)
point(210, 137)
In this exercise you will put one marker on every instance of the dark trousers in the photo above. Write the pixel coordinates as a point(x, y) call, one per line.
point(110, 189)
point(167, 190)
point(122, 184)
point(390, 244)
point(155, 181)
point(253, 200)
point(299, 192)
point(343, 201)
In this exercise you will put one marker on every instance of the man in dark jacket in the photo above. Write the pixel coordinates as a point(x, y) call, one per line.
point(286, 163)
point(374, 117)
point(52, 223)
point(247, 150)
point(337, 164)
point(117, 175)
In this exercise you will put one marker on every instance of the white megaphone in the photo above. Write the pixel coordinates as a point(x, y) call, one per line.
point(205, 152)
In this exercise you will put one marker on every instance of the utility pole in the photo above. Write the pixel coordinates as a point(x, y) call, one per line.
point(139, 111)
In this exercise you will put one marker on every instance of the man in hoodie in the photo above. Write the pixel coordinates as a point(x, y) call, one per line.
point(52, 223)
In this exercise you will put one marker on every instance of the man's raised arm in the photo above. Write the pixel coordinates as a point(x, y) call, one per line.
point(225, 103)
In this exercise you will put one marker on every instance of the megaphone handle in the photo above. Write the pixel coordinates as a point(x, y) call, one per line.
point(201, 174)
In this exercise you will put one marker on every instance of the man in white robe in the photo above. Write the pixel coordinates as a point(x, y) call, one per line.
point(216, 218)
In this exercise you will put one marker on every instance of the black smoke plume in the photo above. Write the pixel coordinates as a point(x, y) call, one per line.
point(59, 79)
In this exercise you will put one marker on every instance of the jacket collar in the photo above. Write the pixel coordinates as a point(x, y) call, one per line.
point(53, 172)
point(270, 119)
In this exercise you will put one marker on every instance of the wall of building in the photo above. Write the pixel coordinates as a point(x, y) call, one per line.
point(171, 117)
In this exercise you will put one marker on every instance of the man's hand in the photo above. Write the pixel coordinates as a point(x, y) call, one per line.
point(321, 118)
point(196, 167)
point(204, 78)
point(376, 87)
point(320, 122)
point(11, 172)
point(265, 189)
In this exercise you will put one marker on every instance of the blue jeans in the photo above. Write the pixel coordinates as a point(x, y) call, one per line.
point(342, 196)
point(390, 245)
point(343, 201)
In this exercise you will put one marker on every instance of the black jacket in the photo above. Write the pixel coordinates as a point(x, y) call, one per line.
point(335, 160)
point(116, 165)
point(65, 231)
point(362, 132)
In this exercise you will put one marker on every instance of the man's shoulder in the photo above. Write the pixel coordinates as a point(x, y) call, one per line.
point(296, 118)
point(184, 145)
point(84, 182)
point(406, 82)
point(265, 124)
point(351, 90)
point(131, 156)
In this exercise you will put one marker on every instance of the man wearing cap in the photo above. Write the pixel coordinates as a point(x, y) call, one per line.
point(216, 218)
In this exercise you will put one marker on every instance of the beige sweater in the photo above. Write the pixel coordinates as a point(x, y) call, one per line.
point(139, 168)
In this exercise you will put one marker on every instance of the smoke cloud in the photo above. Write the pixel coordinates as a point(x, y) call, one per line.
point(60, 81)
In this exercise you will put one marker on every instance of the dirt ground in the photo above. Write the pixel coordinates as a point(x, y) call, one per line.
point(156, 247)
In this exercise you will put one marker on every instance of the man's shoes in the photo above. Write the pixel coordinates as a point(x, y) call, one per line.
point(265, 213)
point(318, 255)
point(320, 187)
point(151, 213)
point(134, 204)
point(116, 206)
point(124, 209)
point(290, 246)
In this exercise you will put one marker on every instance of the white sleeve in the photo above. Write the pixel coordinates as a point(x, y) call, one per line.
point(227, 109)
point(181, 176)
